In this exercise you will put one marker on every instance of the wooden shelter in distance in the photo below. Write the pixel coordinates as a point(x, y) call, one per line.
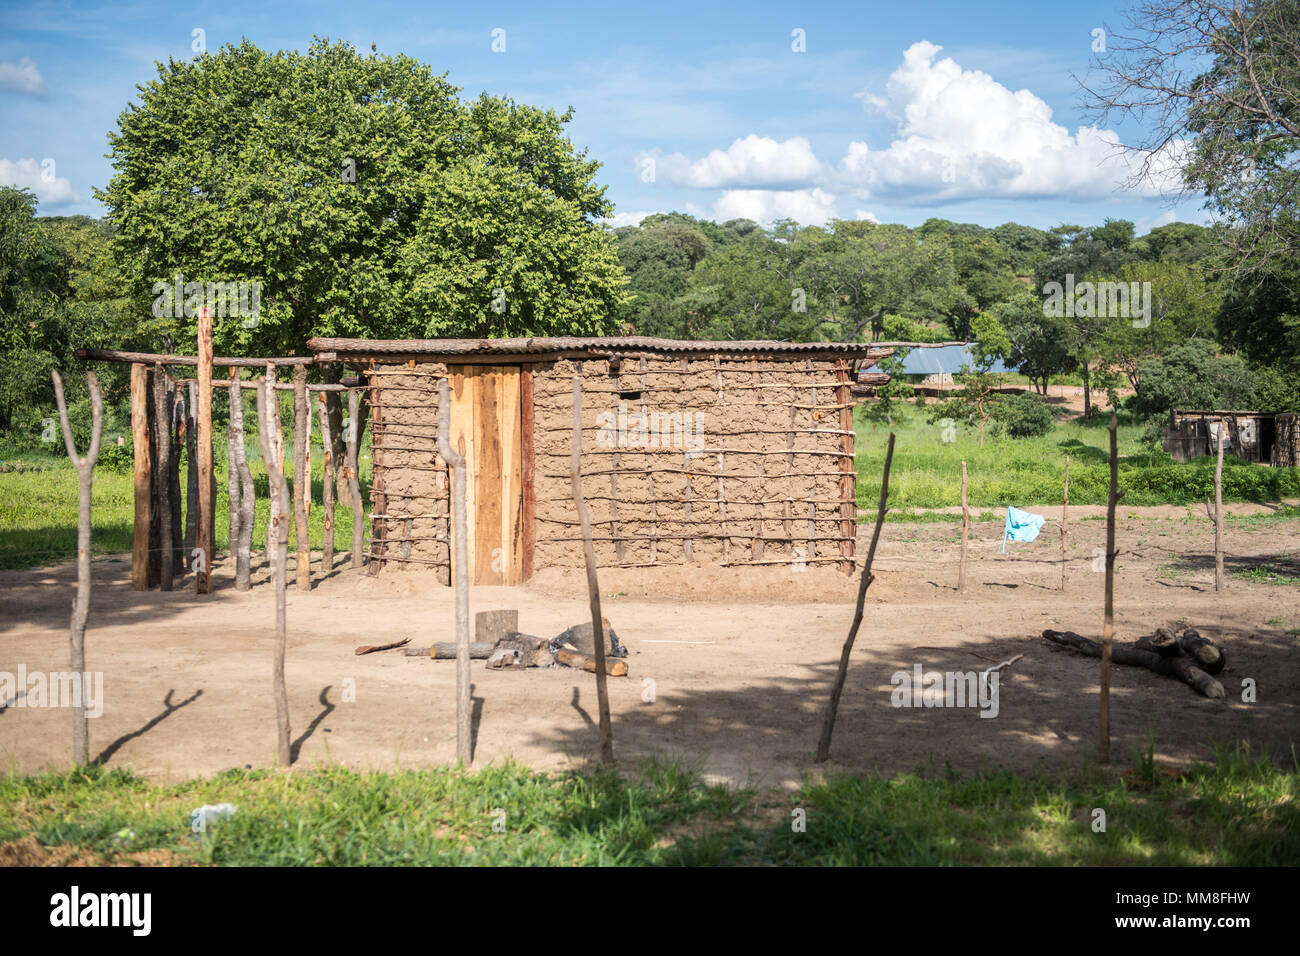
point(722, 453)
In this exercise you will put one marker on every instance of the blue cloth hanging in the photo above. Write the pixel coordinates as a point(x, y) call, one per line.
point(1021, 526)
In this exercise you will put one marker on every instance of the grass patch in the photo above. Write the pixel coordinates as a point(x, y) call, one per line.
point(1238, 811)
point(1284, 570)
point(926, 471)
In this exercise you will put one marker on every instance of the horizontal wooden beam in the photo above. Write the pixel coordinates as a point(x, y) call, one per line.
point(112, 355)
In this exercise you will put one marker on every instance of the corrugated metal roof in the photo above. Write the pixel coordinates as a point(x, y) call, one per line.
point(630, 343)
point(946, 359)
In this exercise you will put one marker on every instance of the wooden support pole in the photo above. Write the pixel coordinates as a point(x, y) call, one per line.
point(833, 705)
point(176, 402)
point(527, 454)
point(301, 476)
point(456, 462)
point(243, 546)
point(965, 531)
point(1218, 510)
point(268, 415)
point(191, 476)
point(207, 532)
point(1065, 514)
point(81, 605)
point(1108, 627)
point(233, 511)
point(354, 482)
point(140, 476)
point(327, 485)
point(593, 588)
point(162, 476)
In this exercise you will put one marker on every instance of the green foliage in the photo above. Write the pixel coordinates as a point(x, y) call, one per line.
point(1193, 375)
point(1024, 415)
point(363, 195)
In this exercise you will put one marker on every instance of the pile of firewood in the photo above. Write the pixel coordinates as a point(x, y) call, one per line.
point(1189, 657)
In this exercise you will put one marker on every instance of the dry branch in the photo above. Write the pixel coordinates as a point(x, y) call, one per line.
point(1179, 667)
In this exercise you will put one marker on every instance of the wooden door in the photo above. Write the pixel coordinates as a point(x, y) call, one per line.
point(486, 427)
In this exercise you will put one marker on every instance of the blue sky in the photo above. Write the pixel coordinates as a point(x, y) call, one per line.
point(896, 111)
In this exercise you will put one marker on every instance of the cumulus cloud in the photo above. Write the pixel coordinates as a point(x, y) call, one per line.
point(40, 178)
point(22, 77)
point(961, 135)
point(752, 162)
point(808, 207)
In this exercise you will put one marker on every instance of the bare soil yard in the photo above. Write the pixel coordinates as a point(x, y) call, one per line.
point(187, 679)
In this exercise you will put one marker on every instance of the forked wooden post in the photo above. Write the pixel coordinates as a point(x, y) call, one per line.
point(202, 411)
point(81, 605)
point(965, 531)
point(354, 481)
point(243, 547)
point(327, 487)
point(1065, 514)
point(593, 588)
point(268, 414)
point(833, 705)
point(301, 474)
point(456, 461)
point(1218, 511)
point(141, 476)
point(1108, 625)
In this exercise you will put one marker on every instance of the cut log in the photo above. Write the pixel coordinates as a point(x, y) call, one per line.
point(572, 658)
point(1204, 651)
point(491, 626)
point(446, 650)
point(371, 648)
point(581, 638)
point(529, 651)
point(1162, 642)
point(1179, 667)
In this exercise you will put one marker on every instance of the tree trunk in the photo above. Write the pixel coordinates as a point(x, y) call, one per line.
point(301, 475)
point(1218, 510)
point(201, 407)
point(243, 546)
point(191, 478)
point(965, 529)
point(1065, 515)
point(81, 605)
point(1108, 627)
point(141, 476)
point(163, 427)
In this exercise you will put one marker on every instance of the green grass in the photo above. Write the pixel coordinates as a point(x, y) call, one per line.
point(926, 471)
point(1238, 811)
point(39, 500)
point(1284, 570)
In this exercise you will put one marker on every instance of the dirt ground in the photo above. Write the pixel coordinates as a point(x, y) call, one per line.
point(740, 660)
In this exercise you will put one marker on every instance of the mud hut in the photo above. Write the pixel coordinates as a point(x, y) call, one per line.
point(723, 453)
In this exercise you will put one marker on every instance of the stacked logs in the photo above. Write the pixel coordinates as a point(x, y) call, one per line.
point(1189, 657)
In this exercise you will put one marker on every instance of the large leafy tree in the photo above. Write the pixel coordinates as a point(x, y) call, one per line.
point(364, 196)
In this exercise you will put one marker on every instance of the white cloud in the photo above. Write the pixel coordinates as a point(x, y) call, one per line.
point(627, 218)
point(40, 178)
point(22, 77)
point(868, 215)
point(963, 135)
point(808, 207)
point(752, 162)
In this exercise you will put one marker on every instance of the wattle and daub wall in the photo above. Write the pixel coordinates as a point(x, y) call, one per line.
point(700, 459)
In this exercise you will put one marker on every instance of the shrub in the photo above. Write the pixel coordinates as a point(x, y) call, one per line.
point(1024, 415)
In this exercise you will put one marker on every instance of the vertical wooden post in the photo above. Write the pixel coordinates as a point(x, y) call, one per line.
point(176, 402)
point(81, 605)
point(234, 512)
point(301, 477)
point(327, 484)
point(1218, 511)
point(1065, 514)
point(593, 588)
point(527, 454)
point(243, 546)
point(268, 414)
point(848, 477)
point(141, 476)
point(1108, 626)
point(354, 481)
point(162, 486)
point(191, 477)
point(965, 530)
point(456, 461)
point(833, 705)
point(277, 457)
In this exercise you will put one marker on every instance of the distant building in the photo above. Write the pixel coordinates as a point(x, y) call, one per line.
point(1270, 438)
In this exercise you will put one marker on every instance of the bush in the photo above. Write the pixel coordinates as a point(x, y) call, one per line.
point(1025, 415)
